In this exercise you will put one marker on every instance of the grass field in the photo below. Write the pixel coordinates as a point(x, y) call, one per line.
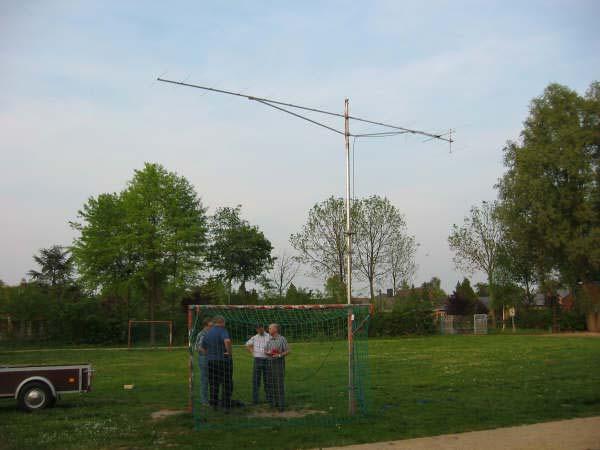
point(419, 387)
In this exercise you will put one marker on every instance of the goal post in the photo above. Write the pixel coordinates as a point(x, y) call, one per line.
point(150, 327)
point(326, 373)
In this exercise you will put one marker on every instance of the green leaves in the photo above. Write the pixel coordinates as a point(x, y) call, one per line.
point(151, 235)
point(238, 251)
point(550, 192)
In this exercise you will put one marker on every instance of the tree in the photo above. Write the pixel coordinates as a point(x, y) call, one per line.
point(550, 192)
point(152, 235)
point(400, 260)
point(476, 244)
point(380, 238)
point(432, 290)
point(56, 267)
point(104, 254)
point(463, 301)
point(284, 271)
point(482, 290)
point(322, 242)
point(516, 266)
point(238, 251)
point(335, 289)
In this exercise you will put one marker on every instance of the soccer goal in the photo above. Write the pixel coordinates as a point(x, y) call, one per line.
point(323, 379)
point(480, 324)
point(463, 324)
point(150, 333)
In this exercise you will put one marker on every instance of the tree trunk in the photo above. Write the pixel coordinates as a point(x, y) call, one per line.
point(151, 305)
point(555, 327)
point(243, 288)
point(492, 308)
point(372, 289)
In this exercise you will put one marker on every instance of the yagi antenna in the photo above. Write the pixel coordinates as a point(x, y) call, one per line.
point(392, 130)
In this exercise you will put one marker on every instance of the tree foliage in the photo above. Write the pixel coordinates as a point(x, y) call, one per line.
point(151, 236)
point(463, 301)
point(56, 267)
point(321, 244)
point(381, 241)
point(400, 260)
point(238, 251)
point(477, 243)
point(550, 192)
point(381, 245)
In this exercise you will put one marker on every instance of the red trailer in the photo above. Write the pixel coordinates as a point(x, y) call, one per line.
point(39, 386)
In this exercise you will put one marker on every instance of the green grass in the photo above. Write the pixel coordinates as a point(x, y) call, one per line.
point(419, 387)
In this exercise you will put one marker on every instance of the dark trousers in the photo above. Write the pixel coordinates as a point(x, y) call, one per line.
point(275, 381)
point(259, 372)
point(220, 377)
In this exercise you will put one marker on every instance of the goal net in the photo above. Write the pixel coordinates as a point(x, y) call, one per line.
point(311, 366)
point(150, 333)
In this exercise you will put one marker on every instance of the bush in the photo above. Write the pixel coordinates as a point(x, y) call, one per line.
point(542, 319)
point(409, 316)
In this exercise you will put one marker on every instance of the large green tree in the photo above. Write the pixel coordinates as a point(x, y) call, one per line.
point(152, 236)
point(238, 251)
point(550, 192)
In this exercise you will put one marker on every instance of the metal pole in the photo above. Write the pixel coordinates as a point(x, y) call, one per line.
point(348, 206)
point(351, 403)
point(190, 359)
point(129, 334)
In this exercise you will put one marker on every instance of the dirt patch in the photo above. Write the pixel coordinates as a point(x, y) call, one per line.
point(161, 414)
point(575, 434)
point(291, 414)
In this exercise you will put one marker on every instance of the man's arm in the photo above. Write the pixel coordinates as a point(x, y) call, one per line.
point(199, 341)
point(228, 347)
point(286, 348)
point(250, 345)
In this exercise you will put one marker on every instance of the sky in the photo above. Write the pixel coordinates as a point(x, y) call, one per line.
point(80, 107)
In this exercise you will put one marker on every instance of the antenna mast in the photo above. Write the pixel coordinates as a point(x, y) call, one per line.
point(392, 130)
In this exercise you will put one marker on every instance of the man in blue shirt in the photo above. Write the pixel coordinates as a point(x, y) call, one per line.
point(217, 344)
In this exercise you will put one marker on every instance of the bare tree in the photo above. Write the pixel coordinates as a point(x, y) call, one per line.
point(322, 242)
point(400, 259)
point(378, 225)
point(477, 244)
point(284, 271)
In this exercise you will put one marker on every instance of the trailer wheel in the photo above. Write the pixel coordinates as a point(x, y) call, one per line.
point(34, 396)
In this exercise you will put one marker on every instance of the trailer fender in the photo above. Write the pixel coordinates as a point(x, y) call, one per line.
point(36, 378)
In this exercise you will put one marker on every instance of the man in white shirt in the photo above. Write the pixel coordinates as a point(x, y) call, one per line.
point(256, 345)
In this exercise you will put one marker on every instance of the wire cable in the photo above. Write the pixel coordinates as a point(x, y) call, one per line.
point(272, 103)
point(264, 102)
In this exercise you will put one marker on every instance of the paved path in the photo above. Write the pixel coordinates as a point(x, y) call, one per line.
point(575, 434)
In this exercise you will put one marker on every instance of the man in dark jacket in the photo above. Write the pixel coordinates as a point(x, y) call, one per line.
point(217, 344)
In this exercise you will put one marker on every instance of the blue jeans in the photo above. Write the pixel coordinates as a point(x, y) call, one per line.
point(203, 366)
point(260, 372)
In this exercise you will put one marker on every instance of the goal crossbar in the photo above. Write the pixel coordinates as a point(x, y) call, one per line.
point(325, 306)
